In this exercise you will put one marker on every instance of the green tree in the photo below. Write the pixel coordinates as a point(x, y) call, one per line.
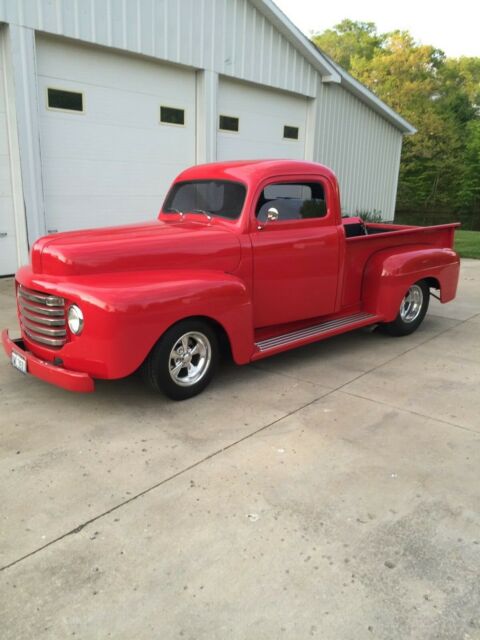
point(349, 40)
point(439, 96)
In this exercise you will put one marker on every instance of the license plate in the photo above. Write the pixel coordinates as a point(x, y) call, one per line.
point(19, 362)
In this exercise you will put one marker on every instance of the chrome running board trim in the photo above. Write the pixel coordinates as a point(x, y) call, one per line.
point(313, 331)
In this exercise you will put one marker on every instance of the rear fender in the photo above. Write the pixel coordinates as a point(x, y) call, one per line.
point(389, 273)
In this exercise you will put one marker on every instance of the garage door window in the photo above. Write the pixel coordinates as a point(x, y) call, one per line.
point(64, 100)
point(293, 201)
point(290, 133)
point(172, 115)
point(229, 123)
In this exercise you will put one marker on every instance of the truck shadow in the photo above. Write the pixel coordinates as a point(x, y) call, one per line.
point(229, 375)
point(326, 362)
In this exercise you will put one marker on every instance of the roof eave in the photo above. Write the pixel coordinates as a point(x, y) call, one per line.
point(329, 70)
point(300, 41)
point(370, 99)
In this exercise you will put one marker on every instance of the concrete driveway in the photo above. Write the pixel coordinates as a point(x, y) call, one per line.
point(331, 492)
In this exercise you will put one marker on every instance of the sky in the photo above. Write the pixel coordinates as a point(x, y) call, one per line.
point(453, 27)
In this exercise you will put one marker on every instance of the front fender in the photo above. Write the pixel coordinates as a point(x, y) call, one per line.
point(389, 273)
point(126, 313)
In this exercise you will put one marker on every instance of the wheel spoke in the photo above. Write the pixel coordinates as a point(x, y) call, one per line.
point(185, 343)
point(176, 370)
point(194, 350)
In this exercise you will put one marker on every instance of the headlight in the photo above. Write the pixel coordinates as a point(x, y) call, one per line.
point(75, 319)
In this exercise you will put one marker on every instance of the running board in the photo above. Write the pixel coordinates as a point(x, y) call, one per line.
point(316, 331)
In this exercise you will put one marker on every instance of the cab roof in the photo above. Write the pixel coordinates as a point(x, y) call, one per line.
point(253, 171)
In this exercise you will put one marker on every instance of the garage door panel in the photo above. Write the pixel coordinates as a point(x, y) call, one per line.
point(119, 107)
point(5, 181)
point(99, 179)
point(8, 248)
point(67, 214)
point(4, 150)
point(254, 150)
point(8, 243)
point(263, 114)
point(63, 60)
point(116, 160)
point(62, 141)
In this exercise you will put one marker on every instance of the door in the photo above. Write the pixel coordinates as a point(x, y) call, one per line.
point(256, 122)
point(115, 130)
point(295, 251)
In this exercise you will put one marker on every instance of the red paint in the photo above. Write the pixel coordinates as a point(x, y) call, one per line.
point(59, 376)
point(133, 282)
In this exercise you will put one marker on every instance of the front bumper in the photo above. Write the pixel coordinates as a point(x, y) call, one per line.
point(64, 378)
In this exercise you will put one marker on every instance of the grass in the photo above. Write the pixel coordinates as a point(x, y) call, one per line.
point(467, 244)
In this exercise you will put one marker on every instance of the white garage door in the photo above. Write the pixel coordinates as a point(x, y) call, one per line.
point(107, 157)
point(255, 122)
point(8, 251)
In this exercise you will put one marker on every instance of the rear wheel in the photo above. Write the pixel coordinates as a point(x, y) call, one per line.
point(183, 361)
point(412, 311)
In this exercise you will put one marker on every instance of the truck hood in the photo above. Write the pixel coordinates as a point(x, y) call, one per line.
point(140, 247)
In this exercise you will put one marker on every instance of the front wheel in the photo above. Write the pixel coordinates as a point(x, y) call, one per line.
point(183, 361)
point(412, 311)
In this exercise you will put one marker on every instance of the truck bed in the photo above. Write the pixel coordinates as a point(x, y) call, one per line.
point(359, 248)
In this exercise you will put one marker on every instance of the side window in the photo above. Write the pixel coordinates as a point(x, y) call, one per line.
point(293, 201)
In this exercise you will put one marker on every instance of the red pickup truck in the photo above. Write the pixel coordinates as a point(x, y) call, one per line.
point(251, 256)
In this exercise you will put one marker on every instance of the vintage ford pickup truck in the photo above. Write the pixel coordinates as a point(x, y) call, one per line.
point(249, 256)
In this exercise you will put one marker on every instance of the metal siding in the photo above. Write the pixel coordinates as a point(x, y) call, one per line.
point(235, 39)
point(361, 147)
point(114, 162)
point(8, 253)
point(262, 114)
point(230, 37)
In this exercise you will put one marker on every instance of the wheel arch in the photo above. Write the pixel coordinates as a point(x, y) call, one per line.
point(390, 273)
point(433, 283)
point(223, 337)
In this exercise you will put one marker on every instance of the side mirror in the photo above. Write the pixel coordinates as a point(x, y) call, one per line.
point(272, 214)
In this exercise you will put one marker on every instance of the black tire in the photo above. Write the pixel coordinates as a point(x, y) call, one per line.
point(163, 372)
point(402, 325)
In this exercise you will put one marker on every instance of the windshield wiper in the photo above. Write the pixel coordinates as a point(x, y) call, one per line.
point(206, 213)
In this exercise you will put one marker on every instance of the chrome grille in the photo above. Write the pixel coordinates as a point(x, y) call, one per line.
point(42, 317)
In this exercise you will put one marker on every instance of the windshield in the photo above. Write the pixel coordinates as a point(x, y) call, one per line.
point(213, 197)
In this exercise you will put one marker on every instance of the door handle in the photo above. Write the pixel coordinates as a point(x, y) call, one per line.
point(3, 234)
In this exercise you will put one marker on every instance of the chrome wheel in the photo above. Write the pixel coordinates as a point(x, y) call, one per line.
point(190, 358)
point(412, 304)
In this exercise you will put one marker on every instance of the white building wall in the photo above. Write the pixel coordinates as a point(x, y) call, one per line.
point(361, 147)
point(8, 243)
point(13, 229)
point(230, 37)
point(246, 40)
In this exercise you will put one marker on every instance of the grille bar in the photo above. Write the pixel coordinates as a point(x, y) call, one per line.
point(41, 298)
point(51, 342)
point(46, 331)
point(49, 322)
point(41, 310)
point(42, 317)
